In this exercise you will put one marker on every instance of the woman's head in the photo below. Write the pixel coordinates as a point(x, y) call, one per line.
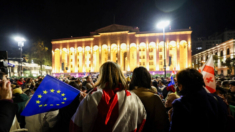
point(111, 74)
point(140, 78)
point(189, 80)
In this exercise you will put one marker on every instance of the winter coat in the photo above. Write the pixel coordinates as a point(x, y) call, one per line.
point(156, 112)
point(20, 100)
point(7, 114)
point(198, 111)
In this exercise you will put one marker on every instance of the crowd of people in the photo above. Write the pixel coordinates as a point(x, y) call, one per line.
point(114, 102)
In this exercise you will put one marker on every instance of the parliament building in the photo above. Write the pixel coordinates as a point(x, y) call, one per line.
point(126, 46)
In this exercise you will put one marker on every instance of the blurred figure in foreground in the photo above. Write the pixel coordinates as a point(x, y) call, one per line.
point(196, 110)
point(109, 107)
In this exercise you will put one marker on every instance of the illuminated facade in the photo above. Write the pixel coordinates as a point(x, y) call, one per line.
point(223, 51)
point(124, 45)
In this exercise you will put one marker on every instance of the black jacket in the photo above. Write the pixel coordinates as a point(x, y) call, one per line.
point(7, 113)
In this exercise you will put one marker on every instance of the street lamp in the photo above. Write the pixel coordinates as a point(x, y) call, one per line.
point(162, 25)
point(20, 41)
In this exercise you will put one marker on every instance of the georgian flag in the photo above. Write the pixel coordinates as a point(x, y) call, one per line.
point(106, 110)
point(208, 75)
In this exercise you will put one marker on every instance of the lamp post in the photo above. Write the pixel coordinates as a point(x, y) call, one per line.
point(20, 41)
point(162, 25)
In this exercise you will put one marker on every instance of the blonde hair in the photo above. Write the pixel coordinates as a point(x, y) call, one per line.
point(173, 95)
point(110, 73)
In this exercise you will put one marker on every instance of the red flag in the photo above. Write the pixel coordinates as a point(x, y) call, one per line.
point(208, 75)
point(173, 72)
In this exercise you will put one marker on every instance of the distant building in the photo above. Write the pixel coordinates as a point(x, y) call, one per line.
point(202, 43)
point(126, 46)
point(28, 69)
point(223, 51)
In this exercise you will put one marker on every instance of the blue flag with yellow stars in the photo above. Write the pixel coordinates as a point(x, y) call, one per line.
point(52, 94)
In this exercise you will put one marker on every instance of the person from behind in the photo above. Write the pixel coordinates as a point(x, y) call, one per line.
point(20, 100)
point(89, 83)
point(156, 112)
point(197, 110)
point(231, 93)
point(109, 106)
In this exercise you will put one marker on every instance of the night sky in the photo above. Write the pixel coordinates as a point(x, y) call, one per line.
point(52, 19)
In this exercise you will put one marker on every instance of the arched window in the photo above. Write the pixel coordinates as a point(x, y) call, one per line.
point(221, 53)
point(228, 51)
point(206, 57)
point(216, 53)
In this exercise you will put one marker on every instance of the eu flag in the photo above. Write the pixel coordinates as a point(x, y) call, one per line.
point(52, 94)
point(172, 81)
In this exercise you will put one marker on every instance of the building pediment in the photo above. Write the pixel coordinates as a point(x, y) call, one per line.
point(115, 28)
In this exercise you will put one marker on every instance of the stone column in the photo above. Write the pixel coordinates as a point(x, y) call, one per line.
point(99, 49)
point(178, 56)
point(147, 55)
point(92, 68)
point(68, 57)
point(167, 55)
point(61, 50)
point(53, 61)
point(83, 57)
point(157, 57)
point(76, 57)
point(137, 47)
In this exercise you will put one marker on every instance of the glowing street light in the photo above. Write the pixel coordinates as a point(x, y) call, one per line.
point(20, 41)
point(162, 25)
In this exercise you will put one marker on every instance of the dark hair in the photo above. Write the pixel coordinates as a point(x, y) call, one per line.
point(84, 88)
point(74, 84)
point(140, 78)
point(191, 80)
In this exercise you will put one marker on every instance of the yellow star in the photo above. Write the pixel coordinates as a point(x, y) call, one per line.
point(57, 104)
point(40, 105)
point(45, 104)
point(58, 91)
point(40, 96)
point(38, 102)
point(45, 92)
point(51, 105)
point(62, 94)
point(52, 90)
point(65, 98)
point(62, 102)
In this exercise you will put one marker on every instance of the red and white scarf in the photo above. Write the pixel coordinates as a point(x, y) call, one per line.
point(107, 110)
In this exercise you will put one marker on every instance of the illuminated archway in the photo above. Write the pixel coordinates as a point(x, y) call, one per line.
point(72, 61)
point(152, 56)
point(96, 58)
point(79, 59)
point(123, 57)
point(133, 56)
point(87, 59)
point(142, 54)
point(57, 61)
point(104, 53)
point(64, 60)
point(161, 55)
point(114, 52)
point(173, 54)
